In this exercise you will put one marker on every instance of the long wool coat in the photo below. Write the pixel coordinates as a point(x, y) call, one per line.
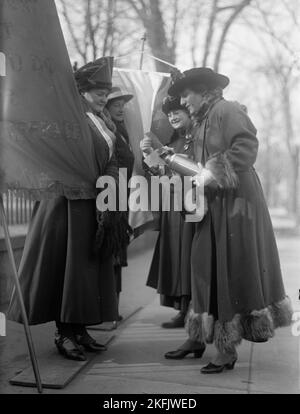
point(61, 278)
point(237, 288)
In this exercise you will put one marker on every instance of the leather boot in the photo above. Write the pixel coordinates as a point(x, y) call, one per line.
point(176, 322)
point(84, 339)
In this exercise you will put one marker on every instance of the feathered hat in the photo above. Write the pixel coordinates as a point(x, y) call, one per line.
point(95, 75)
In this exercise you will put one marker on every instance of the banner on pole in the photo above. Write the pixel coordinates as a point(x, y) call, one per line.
point(46, 147)
point(45, 142)
point(143, 114)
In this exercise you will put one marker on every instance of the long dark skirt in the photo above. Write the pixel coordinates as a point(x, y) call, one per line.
point(170, 271)
point(118, 278)
point(237, 287)
point(235, 243)
point(61, 278)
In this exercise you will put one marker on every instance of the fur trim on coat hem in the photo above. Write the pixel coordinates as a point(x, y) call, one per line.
point(256, 326)
point(223, 171)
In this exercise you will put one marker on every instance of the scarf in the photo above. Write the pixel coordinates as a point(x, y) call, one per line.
point(122, 130)
point(105, 116)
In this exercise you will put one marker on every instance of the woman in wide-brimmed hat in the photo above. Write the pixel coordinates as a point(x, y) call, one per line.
point(116, 102)
point(65, 273)
point(237, 287)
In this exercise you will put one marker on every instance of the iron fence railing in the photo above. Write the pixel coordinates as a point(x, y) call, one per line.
point(18, 207)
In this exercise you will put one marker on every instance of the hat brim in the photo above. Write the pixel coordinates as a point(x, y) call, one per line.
point(212, 81)
point(125, 98)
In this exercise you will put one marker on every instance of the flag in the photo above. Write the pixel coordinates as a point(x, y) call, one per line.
point(46, 147)
point(143, 114)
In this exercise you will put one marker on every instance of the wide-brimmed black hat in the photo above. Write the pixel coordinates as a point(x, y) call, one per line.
point(95, 74)
point(172, 103)
point(197, 76)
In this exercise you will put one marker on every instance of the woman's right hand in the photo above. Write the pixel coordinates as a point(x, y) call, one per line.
point(146, 145)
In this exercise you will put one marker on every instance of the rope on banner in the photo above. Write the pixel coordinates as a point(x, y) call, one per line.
point(147, 55)
point(144, 39)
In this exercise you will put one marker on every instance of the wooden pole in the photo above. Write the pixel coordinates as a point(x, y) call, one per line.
point(144, 39)
point(20, 298)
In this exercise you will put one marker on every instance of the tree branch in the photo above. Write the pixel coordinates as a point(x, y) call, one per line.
point(173, 40)
point(210, 31)
point(238, 9)
point(71, 30)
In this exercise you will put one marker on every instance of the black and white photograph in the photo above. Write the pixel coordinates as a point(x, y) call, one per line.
point(149, 200)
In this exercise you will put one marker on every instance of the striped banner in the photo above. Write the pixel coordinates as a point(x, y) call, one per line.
point(143, 114)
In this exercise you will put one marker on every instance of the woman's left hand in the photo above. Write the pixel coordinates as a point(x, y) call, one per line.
point(204, 178)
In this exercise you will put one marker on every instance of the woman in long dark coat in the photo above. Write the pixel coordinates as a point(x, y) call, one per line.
point(63, 278)
point(116, 102)
point(170, 271)
point(237, 287)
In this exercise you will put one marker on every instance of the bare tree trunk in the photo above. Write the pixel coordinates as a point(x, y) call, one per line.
point(292, 148)
point(237, 10)
point(90, 29)
point(96, 28)
point(157, 37)
point(195, 25)
point(109, 27)
point(210, 31)
point(151, 15)
point(173, 39)
point(65, 13)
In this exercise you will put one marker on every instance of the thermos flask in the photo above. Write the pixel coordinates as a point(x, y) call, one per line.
point(181, 164)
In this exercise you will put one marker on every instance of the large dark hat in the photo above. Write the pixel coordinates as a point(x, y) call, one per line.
point(172, 103)
point(197, 76)
point(95, 74)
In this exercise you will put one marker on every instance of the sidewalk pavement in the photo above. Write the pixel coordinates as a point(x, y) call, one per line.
point(135, 363)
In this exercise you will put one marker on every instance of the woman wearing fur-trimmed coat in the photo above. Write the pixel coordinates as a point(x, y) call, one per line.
point(237, 287)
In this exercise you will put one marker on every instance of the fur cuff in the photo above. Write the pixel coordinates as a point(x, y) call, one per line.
point(203, 328)
point(222, 170)
point(228, 335)
point(281, 313)
point(259, 326)
point(255, 326)
point(200, 327)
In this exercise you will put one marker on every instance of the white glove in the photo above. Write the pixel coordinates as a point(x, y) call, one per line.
point(146, 146)
point(204, 178)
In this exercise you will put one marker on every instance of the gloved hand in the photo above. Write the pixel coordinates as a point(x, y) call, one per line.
point(146, 145)
point(204, 178)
